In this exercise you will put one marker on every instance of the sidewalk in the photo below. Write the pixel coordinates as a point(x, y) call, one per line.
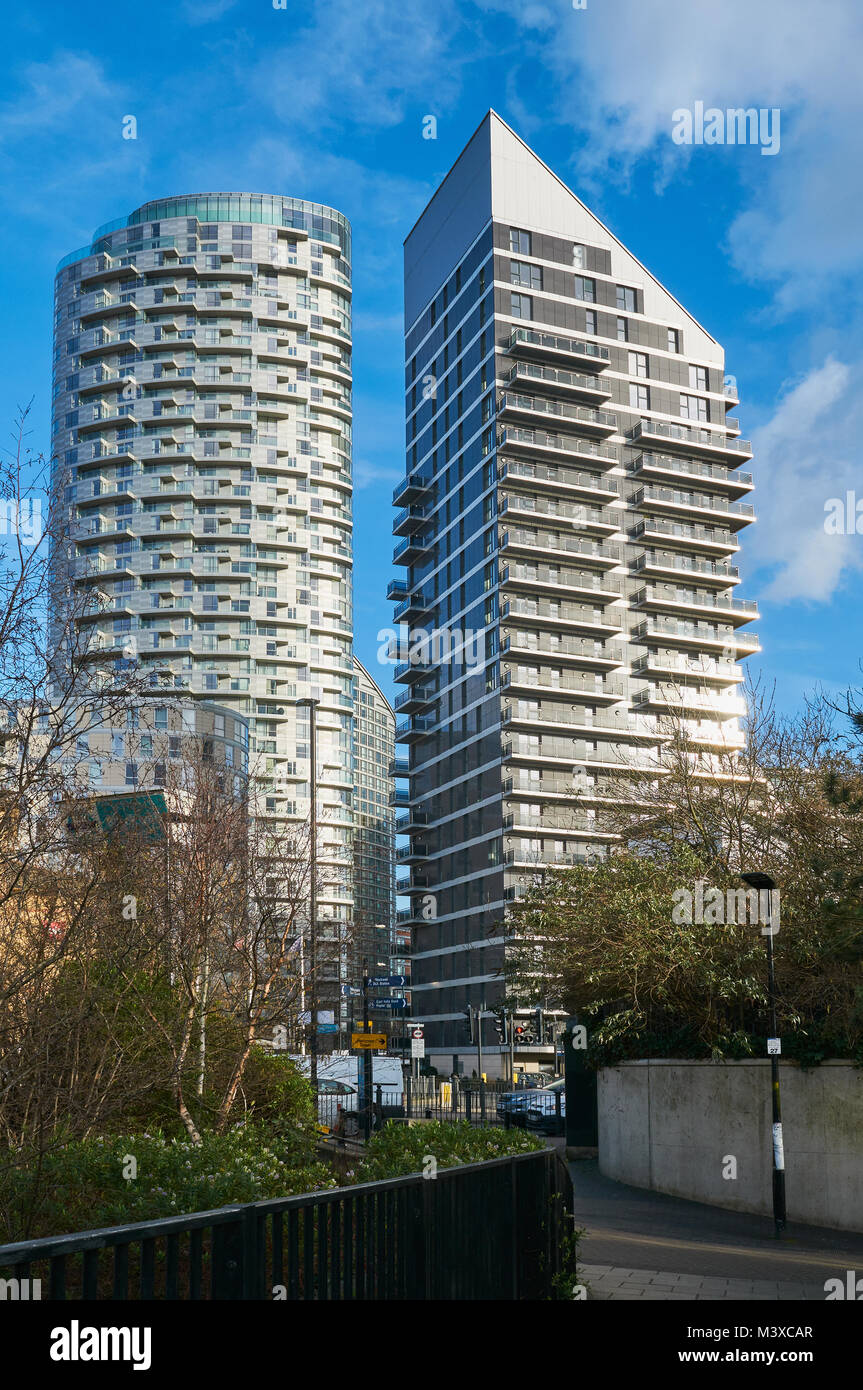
point(604, 1281)
point(639, 1244)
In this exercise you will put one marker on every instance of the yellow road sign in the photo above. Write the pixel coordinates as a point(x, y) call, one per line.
point(368, 1040)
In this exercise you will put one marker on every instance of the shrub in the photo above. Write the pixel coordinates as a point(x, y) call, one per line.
point(82, 1185)
point(397, 1149)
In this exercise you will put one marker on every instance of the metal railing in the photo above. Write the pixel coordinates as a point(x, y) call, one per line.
point(481, 1231)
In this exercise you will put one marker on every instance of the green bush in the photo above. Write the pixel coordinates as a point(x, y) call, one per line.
point(82, 1185)
point(397, 1149)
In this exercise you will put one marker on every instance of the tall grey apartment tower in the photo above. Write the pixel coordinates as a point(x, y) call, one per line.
point(568, 521)
point(202, 423)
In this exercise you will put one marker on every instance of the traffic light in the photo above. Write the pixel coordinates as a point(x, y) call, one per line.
point(471, 1023)
point(519, 1032)
point(500, 1028)
point(540, 1033)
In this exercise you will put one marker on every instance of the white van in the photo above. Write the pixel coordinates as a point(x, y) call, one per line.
point(386, 1072)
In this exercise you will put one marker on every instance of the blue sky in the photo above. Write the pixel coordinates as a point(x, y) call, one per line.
point(326, 101)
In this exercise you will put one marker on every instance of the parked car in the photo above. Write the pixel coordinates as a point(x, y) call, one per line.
point(542, 1114)
point(335, 1098)
point(514, 1104)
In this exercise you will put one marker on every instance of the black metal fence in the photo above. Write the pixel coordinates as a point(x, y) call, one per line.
point(433, 1098)
point(486, 1230)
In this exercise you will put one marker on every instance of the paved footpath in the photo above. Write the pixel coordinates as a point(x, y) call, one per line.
point(646, 1245)
point(604, 1281)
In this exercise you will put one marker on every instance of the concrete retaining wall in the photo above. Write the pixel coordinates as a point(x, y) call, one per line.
point(674, 1125)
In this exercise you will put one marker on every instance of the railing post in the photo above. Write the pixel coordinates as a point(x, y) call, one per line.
point(228, 1249)
point(482, 1101)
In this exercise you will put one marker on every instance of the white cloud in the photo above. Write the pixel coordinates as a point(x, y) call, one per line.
point(366, 64)
point(806, 454)
point(622, 67)
point(367, 474)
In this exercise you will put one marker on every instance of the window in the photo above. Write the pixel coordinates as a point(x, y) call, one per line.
point(626, 299)
point(693, 408)
point(579, 257)
point(673, 340)
point(520, 273)
point(519, 241)
point(590, 321)
point(161, 720)
point(622, 331)
point(521, 306)
point(132, 774)
point(585, 289)
point(638, 364)
point(639, 397)
point(698, 378)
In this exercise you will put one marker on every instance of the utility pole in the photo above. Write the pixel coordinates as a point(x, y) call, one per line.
point(479, 1013)
point(762, 882)
point(312, 707)
point(366, 1057)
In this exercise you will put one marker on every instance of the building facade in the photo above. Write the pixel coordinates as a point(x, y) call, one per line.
point(374, 827)
point(569, 517)
point(202, 439)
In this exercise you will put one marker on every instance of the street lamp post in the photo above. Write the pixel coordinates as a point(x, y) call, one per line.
point(312, 706)
point(764, 883)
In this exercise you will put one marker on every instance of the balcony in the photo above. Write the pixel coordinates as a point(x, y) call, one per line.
point(413, 701)
point(413, 820)
point(562, 717)
point(526, 858)
point(566, 753)
point(695, 438)
point(695, 504)
point(522, 507)
point(410, 520)
point(544, 577)
point(398, 590)
point(524, 342)
point(560, 615)
point(736, 610)
point(557, 479)
point(681, 567)
point(412, 550)
point(400, 797)
point(413, 488)
point(416, 853)
point(413, 670)
point(598, 656)
point(541, 679)
point(555, 446)
point(416, 729)
point(556, 381)
point(706, 669)
point(667, 632)
point(571, 823)
point(581, 787)
point(534, 409)
point(678, 533)
point(412, 607)
point(399, 767)
point(533, 543)
point(661, 699)
point(662, 466)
